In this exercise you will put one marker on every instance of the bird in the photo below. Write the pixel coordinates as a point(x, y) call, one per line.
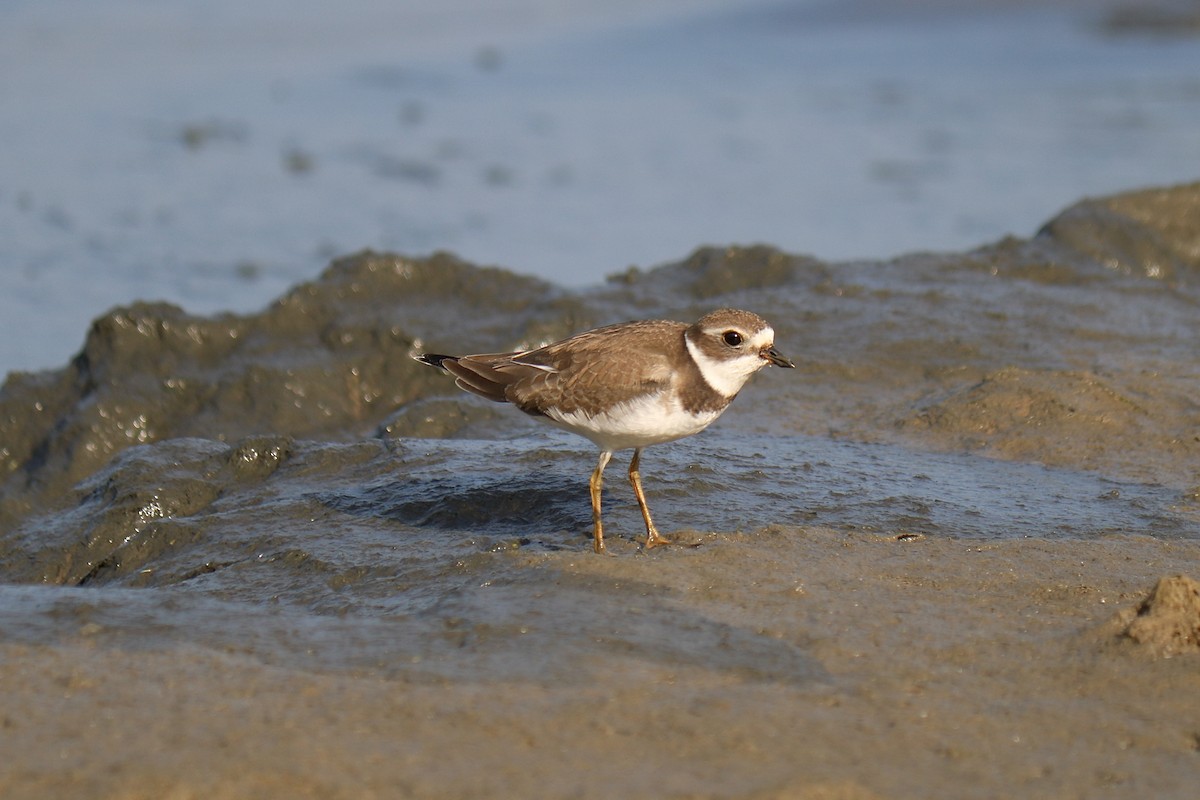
point(626, 386)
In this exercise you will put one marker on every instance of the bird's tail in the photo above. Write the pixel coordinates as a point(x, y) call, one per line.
point(433, 359)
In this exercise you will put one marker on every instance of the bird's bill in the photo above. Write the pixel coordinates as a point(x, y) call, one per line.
point(773, 356)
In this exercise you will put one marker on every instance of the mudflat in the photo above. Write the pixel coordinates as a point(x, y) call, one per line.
point(953, 555)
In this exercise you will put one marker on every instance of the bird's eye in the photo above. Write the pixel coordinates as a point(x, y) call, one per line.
point(732, 338)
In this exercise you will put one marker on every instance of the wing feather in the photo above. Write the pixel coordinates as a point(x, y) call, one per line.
point(576, 373)
point(586, 367)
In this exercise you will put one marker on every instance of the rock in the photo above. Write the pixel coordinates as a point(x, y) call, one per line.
point(1153, 232)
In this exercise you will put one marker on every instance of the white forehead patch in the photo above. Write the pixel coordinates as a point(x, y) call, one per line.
point(764, 338)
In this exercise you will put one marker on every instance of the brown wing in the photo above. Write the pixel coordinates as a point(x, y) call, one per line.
point(589, 371)
point(579, 373)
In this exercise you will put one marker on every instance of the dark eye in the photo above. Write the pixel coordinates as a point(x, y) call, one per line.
point(732, 338)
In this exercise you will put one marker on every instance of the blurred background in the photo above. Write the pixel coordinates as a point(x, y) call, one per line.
point(215, 152)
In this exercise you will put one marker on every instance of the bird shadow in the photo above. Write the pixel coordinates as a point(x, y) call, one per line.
point(467, 503)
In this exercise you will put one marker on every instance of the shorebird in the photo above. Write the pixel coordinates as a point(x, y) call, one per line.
point(628, 385)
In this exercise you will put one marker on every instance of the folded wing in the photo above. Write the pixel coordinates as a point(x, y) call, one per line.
point(574, 374)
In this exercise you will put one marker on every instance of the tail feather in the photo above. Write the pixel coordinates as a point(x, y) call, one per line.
point(472, 373)
point(434, 359)
point(479, 379)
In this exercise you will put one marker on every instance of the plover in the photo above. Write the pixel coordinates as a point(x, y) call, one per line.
point(626, 386)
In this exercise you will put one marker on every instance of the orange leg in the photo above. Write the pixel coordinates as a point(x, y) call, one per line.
point(595, 484)
point(653, 537)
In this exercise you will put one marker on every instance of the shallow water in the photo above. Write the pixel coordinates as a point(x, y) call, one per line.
point(215, 159)
point(381, 558)
point(751, 481)
point(1020, 390)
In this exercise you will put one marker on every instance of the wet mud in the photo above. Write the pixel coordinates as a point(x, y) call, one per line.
point(953, 553)
point(1168, 620)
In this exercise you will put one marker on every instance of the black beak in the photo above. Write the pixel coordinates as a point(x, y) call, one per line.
point(778, 359)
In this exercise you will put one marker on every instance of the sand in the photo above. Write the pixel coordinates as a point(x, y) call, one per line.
point(840, 667)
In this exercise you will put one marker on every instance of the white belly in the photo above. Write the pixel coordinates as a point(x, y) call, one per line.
point(652, 419)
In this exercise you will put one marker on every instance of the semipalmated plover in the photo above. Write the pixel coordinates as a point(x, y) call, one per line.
point(628, 385)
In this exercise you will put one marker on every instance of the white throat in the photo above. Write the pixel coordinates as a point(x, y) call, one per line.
point(728, 376)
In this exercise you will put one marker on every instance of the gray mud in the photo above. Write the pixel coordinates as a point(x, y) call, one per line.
point(922, 556)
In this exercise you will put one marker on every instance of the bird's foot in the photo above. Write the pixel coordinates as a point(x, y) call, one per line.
point(656, 539)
